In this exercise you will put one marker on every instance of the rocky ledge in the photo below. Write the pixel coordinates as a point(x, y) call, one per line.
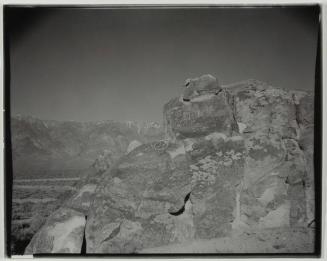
point(235, 158)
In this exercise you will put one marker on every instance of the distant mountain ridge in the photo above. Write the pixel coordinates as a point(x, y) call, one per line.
point(51, 147)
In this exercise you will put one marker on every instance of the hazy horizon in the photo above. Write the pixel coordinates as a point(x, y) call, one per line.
point(124, 64)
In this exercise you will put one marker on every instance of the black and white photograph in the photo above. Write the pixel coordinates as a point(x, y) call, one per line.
point(163, 130)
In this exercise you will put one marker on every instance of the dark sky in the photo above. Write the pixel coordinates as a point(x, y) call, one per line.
point(124, 64)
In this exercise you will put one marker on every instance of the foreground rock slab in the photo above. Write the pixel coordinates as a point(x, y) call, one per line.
point(62, 233)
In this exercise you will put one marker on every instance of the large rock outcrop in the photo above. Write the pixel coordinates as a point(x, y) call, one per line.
point(240, 158)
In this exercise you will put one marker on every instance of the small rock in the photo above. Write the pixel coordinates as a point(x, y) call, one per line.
point(279, 246)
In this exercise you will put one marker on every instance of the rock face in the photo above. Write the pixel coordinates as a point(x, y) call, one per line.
point(276, 179)
point(203, 115)
point(237, 159)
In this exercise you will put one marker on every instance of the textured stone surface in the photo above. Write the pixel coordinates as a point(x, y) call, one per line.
point(134, 201)
point(144, 192)
point(217, 169)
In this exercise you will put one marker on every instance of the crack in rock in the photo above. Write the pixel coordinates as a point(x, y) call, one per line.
point(114, 233)
point(83, 248)
point(182, 209)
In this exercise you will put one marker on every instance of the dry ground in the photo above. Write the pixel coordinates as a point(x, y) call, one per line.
point(277, 240)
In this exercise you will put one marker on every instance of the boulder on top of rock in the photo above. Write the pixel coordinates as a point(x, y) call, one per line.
point(203, 84)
